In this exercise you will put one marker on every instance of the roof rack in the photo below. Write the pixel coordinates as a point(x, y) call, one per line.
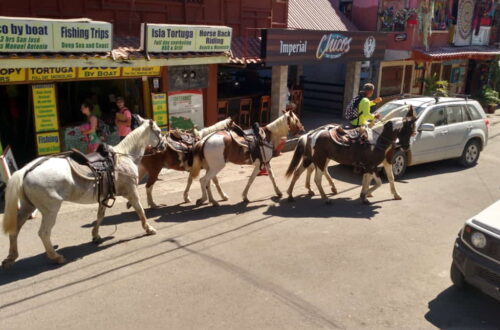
point(407, 95)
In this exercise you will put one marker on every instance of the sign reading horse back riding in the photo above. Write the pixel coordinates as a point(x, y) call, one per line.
point(281, 46)
point(40, 35)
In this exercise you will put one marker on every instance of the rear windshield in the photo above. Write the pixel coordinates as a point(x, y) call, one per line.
point(387, 108)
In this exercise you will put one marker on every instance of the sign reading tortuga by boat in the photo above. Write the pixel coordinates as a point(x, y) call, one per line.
point(281, 46)
point(40, 35)
point(171, 38)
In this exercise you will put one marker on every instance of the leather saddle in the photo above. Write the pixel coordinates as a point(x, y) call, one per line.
point(97, 166)
point(254, 139)
point(182, 141)
point(346, 137)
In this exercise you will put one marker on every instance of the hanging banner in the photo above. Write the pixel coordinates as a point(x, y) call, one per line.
point(48, 143)
point(31, 36)
point(12, 75)
point(171, 38)
point(98, 72)
point(283, 47)
point(186, 109)
point(160, 113)
point(45, 108)
point(141, 71)
point(463, 29)
point(43, 74)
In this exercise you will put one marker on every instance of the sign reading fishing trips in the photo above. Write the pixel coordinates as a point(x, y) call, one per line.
point(283, 47)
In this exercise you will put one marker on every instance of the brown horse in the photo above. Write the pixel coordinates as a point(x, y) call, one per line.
point(320, 148)
point(218, 148)
point(174, 159)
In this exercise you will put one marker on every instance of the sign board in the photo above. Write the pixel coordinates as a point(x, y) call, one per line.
point(12, 75)
point(185, 109)
point(160, 113)
point(31, 36)
point(45, 108)
point(141, 71)
point(98, 72)
point(184, 77)
point(43, 74)
point(171, 38)
point(48, 143)
point(282, 46)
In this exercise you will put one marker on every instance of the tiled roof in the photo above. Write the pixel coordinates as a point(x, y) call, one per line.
point(245, 50)
point(466, 52)
point(317, 15)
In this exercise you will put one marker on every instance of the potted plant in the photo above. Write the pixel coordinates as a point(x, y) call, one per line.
point(489, 99)
point(435, 87)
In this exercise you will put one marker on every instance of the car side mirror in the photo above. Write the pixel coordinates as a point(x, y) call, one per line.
point(427, 127)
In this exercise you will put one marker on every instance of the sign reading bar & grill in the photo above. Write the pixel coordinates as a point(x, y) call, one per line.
point(281, 46)
point(171, 38)
point(25, 35)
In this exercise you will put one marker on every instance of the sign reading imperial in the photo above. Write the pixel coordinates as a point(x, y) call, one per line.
point(171, 38)
point(281, 46)
point(36, 35)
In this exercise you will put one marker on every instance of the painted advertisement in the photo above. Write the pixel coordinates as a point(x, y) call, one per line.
point(82, 37)
point(12, 75)
point(160, 112)
point(25, 36)
point(141, 71)
point(98, 72)
point(186, 109)
point(48, 143)
point(45, 108)
point(171, 38)
point(43, 74)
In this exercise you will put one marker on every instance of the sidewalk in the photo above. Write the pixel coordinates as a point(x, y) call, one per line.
point(494, 117)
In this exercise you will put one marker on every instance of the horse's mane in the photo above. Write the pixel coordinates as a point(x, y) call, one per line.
point(130, 142)
point(223, 124)
point(279, 128)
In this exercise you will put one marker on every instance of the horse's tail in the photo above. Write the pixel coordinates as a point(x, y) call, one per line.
point(297, 155)
point(12, 194)
point(197, 158)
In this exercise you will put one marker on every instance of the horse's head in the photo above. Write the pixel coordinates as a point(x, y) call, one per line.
point(156, 138)
point(294, 124)
point(408, 130)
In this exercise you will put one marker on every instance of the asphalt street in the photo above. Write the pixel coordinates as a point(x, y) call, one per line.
point(269, 264)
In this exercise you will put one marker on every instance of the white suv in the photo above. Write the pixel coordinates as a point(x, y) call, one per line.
point(447, 128)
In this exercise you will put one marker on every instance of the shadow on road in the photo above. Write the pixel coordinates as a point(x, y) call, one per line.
point(306, 207)
point(32, 266)
point(464, 309)
point(434, 168)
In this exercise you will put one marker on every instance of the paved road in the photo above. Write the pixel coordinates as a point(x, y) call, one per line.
point(270, 264)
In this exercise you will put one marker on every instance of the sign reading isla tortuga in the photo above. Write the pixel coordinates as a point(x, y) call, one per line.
point(170, 38)
point(281, 46)
point(36, 35)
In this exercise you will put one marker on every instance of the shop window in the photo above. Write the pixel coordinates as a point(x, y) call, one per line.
point(435, 69)
point(391, 80)
point(407, 82)
point(394, 15)
point(441, 17)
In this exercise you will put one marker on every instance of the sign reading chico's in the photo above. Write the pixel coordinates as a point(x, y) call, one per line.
point(281, 46)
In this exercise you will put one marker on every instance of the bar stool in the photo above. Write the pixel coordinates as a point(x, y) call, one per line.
point(297, 98)
point(222, 110)
point(244, 113)
point(264, 109)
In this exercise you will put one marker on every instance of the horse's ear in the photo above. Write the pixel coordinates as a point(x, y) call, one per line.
point(151, 122)
point(283, 110)
point(410, 113)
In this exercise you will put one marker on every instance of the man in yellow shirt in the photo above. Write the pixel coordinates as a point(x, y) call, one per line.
point(364, 106)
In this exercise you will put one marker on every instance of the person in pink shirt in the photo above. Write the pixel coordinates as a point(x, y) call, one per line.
point(123, 118)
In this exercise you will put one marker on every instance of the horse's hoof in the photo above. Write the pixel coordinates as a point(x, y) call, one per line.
point(311, 193)
point(7, 263)
point(96, 240)
point(129, 205)
point(187, 200)
point(291, 199)
point(215, 204)
point(369, 195)
point(398, 197)
point(150, 231)
point(156, 206)
point(246, 200)
point(225, 198)
point(199, 202)
point(279, 195)
point(365, 201)
point(58, 259)
point(334, 191)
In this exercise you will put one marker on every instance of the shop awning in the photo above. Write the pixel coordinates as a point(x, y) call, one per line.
point(317, 15)
point(449, 53)
point(245, 50)
point(126, 52)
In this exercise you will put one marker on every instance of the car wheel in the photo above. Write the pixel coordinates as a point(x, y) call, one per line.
point(470, 154)
point(457, 278)
point(399, 163)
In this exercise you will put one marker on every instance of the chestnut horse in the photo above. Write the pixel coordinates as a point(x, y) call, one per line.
point(318, 148)
point(218, 148)
point(171, 158)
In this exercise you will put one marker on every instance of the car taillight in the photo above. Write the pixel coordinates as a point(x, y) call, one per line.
point(487, 122)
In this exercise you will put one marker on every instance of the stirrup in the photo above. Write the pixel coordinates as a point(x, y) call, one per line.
point(105, 202)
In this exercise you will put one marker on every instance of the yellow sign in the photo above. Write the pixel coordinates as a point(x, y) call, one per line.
point(48, 143)
point(160, 114)
point(98, 72)
point(45, 108)
point(12, 75)
point(141, 71)
point(42, 74)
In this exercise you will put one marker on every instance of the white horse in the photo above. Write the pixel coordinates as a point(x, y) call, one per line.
point(216, 149)
point(52, 181)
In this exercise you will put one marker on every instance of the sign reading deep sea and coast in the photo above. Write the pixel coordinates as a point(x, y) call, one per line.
point(170, 38)
point(34, 36)
point(281, 46)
